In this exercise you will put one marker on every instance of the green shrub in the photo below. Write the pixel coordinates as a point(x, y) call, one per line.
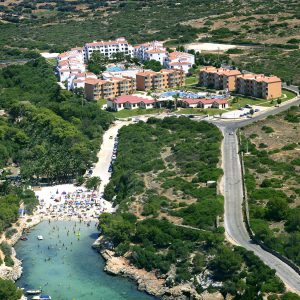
point(289, 146)
point(267, 129)
point(10, 232)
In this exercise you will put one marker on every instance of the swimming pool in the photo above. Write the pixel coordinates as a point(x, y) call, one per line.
point(184, 94)
point(114, 69)
point(190, 95)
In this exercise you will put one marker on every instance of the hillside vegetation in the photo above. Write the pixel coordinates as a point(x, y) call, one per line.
point(272, 180)
point(59, 25)
point(51, 134)
point(169, 221)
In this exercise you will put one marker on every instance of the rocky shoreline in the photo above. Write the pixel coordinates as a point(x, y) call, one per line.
point(15, 272)
point(115, 265)
point(148, 281)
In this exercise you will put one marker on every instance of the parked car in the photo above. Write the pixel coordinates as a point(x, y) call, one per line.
point(248, 106)
point(256, 110)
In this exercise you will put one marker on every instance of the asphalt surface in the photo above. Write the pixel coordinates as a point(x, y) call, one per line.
point(233, 192)
point(234, 224)
point(234, 124)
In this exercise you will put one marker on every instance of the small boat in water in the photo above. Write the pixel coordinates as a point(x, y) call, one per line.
point(33, 292)
point(42, 297)
point(23, 238)
point(40, 237)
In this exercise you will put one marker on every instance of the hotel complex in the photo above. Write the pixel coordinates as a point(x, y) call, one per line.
point(71, 69)
point(117, 82)
point(254, 85)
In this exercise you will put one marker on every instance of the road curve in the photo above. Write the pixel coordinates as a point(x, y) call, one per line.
point(233, 124)
point(233, 217)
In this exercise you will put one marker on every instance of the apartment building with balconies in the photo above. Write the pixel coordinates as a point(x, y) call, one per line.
point(218, 78)
point(108, 48)
point(166, 78)
point(259, 86)
point(254, 85)
point(96, 89)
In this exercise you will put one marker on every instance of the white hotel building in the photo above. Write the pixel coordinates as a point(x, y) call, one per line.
point(148, 51)
point(180, 60)
point(107, 48)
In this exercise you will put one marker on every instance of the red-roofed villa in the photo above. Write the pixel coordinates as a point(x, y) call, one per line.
point(130, 102)
point(204, 103)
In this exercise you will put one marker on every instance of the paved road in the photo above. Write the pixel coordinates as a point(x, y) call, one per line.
point(233, 192)
point(234, 224)
point(233, 124)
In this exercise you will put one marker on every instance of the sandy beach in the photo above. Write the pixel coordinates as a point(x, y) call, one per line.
point(70, 202)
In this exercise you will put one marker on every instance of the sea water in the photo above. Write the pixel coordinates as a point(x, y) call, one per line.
point(65, 266)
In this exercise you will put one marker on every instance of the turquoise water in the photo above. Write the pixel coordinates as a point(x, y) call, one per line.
point(191, 95)
point(114, 69)
point(67, 268)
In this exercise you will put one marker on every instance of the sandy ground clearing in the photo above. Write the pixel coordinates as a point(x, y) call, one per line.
point(209, 47)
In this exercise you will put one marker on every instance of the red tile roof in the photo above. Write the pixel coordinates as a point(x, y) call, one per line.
point(132, 99)
point(102, 43)
point(204, 101)
point(175, 63)
point(94, 81)
point(146, 73)
point(177, 54)
point(157, 50)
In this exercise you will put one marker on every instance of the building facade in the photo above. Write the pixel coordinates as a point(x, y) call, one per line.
point(153, 50)
point(259, 86)
point(108, 48)
point(96, 89)
point(70, 63)
point(204, 103)
point(130, 102)
point(218, 78)
point(254, 85)
point(180, 60)
point(150, 80)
